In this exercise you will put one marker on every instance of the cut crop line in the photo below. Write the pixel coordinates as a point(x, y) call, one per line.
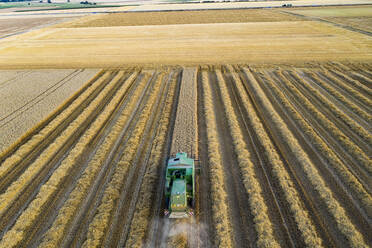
point(158, 225)
point(287, 157)
point(367, 80)
point(19, 230)
point(102, 219)
point(358, 112)
point(254, 146)
point(344, 224)
point(55, 234)
point(349, 146)
point(344, 173)
point(303, 221)
point(364, 136)
point(76, 232)
point(142, 211)
point(219, 197)
point(117, 231)
point(12, 192)
point(342, 81)
point(259, 210)
point(143, 157)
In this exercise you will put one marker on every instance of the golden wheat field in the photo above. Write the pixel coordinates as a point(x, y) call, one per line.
point(276, 108)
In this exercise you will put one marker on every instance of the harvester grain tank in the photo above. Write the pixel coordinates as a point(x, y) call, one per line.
point(180, 186)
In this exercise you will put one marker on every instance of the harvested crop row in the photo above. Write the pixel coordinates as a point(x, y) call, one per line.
point(19, 231)
point(331, 158)
point(349, 89)
point(31, 144)
point(361, 77)
point(16, 188)
point(55, 234)
point(359, 130)
point(344, 225)
point(185, 131)
point(142, 213)
point(219, 197)
point(99, 225)
point(259, 210)
point(339, 96)
point(349, 146)
point(184, 139)
point(301, 216)
point(34, 130)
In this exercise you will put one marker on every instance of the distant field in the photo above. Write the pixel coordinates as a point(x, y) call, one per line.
point(15, 25)
point(355, 17)
point(266, 41)
point(364, 11)
point(250, 4)
point(184, 17)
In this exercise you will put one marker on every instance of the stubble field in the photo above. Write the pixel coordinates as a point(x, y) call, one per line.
point(283, 151)
point(281, 126)
point(101, 45)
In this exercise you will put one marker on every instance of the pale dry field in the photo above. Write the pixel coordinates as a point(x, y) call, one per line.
point(189, 44)
point(27, 97)
point(253, 4)
point(180, 17)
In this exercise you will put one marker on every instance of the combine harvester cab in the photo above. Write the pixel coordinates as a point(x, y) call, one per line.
point(180, 186)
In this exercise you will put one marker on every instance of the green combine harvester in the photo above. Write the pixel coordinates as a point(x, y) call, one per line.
point(180, 186)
